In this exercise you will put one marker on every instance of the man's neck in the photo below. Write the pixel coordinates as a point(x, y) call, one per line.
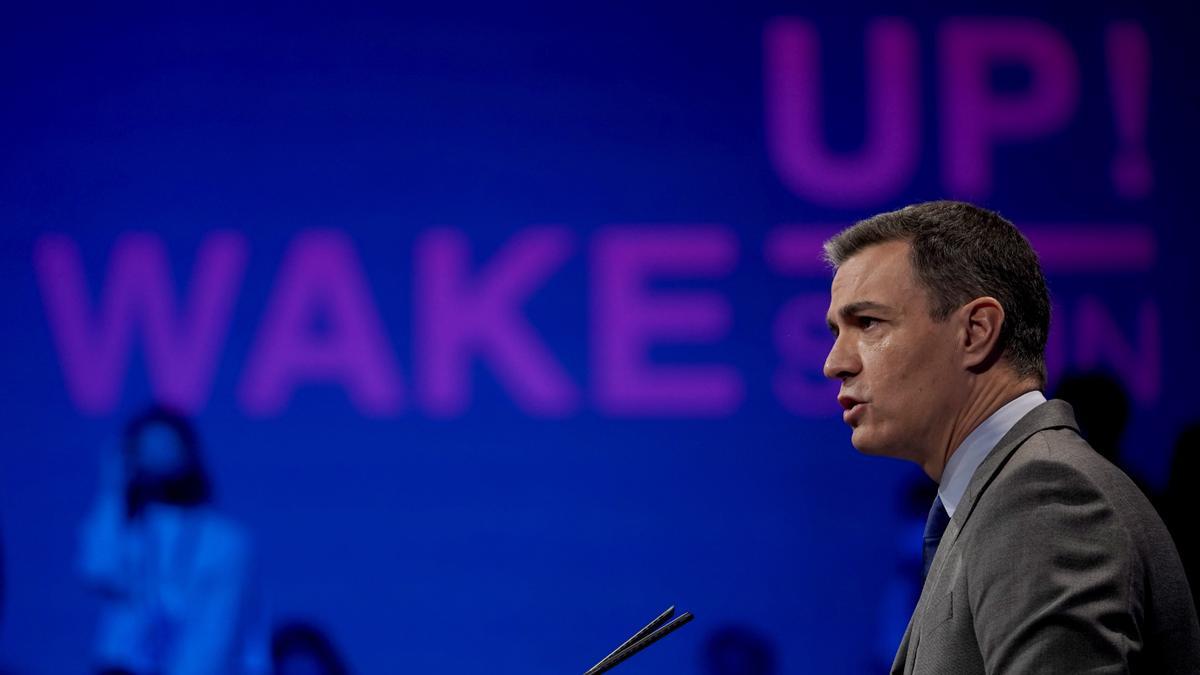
point(987, 396)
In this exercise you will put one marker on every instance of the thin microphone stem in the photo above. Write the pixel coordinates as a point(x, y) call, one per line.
point(646, 630)
point(650, 639)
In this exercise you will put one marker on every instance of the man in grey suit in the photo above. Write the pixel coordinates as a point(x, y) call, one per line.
point(1048, 558)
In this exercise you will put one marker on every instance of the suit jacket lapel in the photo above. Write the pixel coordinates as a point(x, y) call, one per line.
point(1054, 414)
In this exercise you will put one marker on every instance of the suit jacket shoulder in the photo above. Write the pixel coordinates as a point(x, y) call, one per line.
point(1053, 562)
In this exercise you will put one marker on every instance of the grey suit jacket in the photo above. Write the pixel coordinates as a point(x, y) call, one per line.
point(1054, 562)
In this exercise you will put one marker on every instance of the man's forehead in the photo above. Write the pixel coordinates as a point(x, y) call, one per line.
point(877, 270)
point(877, 279)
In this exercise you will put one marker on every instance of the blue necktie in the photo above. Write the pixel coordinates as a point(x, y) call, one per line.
point(935, 525)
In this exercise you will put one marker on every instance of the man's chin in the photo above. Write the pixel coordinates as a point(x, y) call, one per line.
point(875, 446)
point(863, 441)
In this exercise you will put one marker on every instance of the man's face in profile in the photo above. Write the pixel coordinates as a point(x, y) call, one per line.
point(901, 374)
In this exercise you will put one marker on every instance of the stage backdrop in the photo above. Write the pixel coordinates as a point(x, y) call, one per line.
point(503, 326)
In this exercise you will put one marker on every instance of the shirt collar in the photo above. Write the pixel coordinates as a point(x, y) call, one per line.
point(976, 446)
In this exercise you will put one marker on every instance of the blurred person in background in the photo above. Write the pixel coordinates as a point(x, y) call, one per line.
point(173, 574)
point(903, 586)
point(1177, 502)
point(738, 650)
point(300, 648)
point(1102, 410)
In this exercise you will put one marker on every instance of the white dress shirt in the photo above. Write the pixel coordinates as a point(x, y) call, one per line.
point(976, 446)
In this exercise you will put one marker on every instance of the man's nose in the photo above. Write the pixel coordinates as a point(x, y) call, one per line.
point(841, 362)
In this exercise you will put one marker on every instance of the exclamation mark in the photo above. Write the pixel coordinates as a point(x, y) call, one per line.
point(1129, 79)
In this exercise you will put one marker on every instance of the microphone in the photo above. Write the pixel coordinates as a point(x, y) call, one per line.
point(648, 635)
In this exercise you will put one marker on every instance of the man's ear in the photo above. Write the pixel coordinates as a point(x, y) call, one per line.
point(982, 318)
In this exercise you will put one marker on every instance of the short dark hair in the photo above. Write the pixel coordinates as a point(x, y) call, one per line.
point(960, 252)
point(191, 487)
point(305, 639)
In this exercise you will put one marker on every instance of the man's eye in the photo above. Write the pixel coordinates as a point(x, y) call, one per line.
point(866, 321)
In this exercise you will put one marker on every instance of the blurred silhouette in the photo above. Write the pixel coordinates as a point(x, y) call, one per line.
point(173, 574)
point(1101, 409)
point(1178, 499)
point(303, 649)
point(903, 587)
point(738, 650)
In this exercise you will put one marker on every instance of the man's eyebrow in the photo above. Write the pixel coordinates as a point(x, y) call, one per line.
point(854, 309)
point(862, 306)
